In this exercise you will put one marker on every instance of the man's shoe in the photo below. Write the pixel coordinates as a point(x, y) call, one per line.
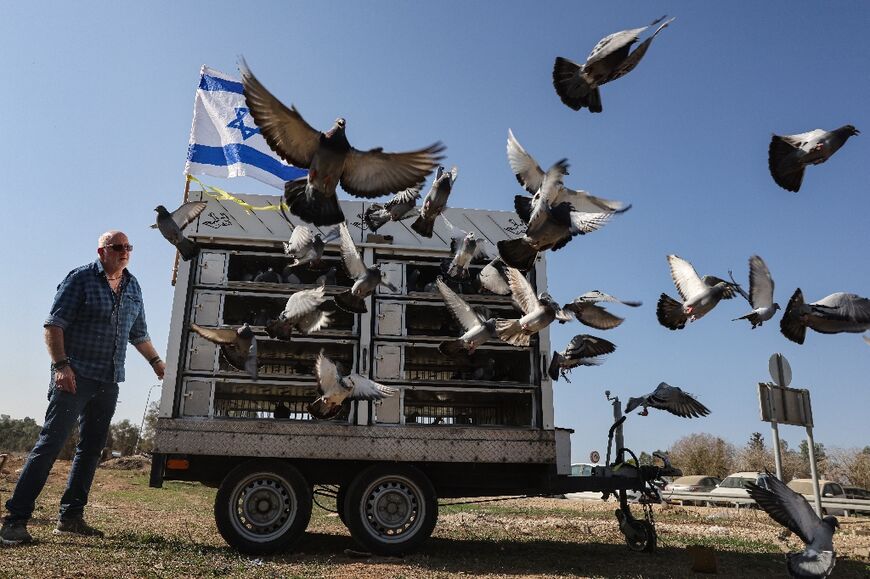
point(14, 534)
point(76, 526)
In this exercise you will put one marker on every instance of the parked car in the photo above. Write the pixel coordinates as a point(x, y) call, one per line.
point(857, 493)
point(827, 489)
point(734, 485)
point(696, 483)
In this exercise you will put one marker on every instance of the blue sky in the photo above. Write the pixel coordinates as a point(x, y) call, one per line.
point(96, 119)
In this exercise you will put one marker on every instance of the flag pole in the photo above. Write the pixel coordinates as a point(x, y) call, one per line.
point(177, 254)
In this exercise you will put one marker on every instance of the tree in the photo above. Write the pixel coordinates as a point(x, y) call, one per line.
point(754, 456)
point(146, 442)
point(821, 457)
point(17, 435)
point(703, 454)
point(125, 435)
point(756, 441)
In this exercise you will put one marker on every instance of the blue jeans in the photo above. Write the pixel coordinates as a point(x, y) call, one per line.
point(94, 404)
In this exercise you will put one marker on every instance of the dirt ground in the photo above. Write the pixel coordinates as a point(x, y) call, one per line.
point(170, 532)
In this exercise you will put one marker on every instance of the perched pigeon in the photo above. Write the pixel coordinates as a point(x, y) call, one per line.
point(582, 350)
point(465, 247)
point(435, 201)
point(789, 154)
point(172, 224)
point(238, 345)
point(836, 313)
point(792, 511)
point(268, 276)
point(476, 329)
point(586, 310)
point(760, 295)
point(577, 84)
point(305, 247)
point(538, 312)
point(401, 206)
point(303, 312)
point(281, 411)
point(366, 279)
point(334, 389)
point(670, 398)
point(700, 295)
point(494, 279)
point(330, 159)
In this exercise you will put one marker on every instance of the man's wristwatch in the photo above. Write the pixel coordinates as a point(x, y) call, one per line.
point(60, 364)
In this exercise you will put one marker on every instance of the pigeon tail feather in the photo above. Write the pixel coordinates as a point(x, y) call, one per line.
point(350, 303)
point(555, 365)
point(574, 87)
point(786, 171)
point(423, 226)
point(517, 253)
point(511, 332)
point(790, 324)
point(323, 411)
point(317, 209)
point(670, 313)
point(187, 248)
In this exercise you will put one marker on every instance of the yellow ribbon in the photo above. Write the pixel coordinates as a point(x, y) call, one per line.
point(221, 195)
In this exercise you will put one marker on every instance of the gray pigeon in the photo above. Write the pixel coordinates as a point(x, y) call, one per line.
point(172, 224)
point(401, 206)
point(334, 389)
point(836, 313)
point(494, 279)
point(238, 345)
point(303, 311)
point(760, 295)
point(582, 350)
point(304, 247)
point(366, 279)
point(476, 329)
point(328, 278)
point(587, 312)
point(281, 412)
point(268, 276)
point(435, 201)
point(538, 311)
point(789, 154)
point(792, 511)
point(671, 399)
point(700, 295)
point(466, 247)
point(329, 158)
point(577, 84)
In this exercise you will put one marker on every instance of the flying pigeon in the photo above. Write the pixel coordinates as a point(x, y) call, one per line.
point(538, 312)
point(366, 279)
point(172, 224)
point(329, 158)
point(582, 350)
point(238, 345)
point(670, 398)
point(836, 313)
point(303, 312)
point(789, 154)
point(476, 329)
point(792, 511)
point(586, 310)
point(306, 247)
point(334, 389)
point(577, 84)
point(760, 295)
point(435, 201)
point(493, 279)
point(700, 295)
point(401, 206)
point(466, 247)
point(328, 278)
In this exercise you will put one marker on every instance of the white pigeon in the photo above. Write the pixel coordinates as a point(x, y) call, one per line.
point(303, 311)
point(334, 389)
point(476, 330)
point(587, 311)
point(466, 247)
point(836, 313)
point(700, 295)
point(792, 511)
point(789, 154)
point(760, 295)
point(306, 247)
point(538, 311)
point(671, 399)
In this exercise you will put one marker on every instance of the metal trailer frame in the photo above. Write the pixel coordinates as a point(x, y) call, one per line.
point(265, 468)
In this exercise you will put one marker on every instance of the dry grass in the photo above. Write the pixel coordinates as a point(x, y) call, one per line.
point(170, 532)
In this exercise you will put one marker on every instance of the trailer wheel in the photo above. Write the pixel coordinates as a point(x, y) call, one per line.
point(641, 537)
point(262, 506)
point(340, 501)
point(391, 509)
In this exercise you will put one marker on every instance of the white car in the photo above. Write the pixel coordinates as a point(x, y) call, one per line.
point(734, 485)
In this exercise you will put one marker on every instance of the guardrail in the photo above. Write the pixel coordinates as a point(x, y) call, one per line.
point(850, 506)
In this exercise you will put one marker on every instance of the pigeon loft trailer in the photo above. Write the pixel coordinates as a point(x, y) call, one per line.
point(467, 426)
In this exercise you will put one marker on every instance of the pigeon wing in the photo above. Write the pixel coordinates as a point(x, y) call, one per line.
point(188, 212)
point(525, 168)
point(286, 132)
point(586, 346)
point(593, 316)
point(675, 401)
point(408, 196)
point(365, 389)
point(582, 223)
point(300, 240)
point(374, 173)
point(685, 278)
point(353, 263)
point(843, 306)
point(492, 279)
point(328, 381)
point(521, 290)
point(226, 336)
point(760, 283)
point(596, 296)
point(303, 303)
point(582, 201)
point(638, 53)
point(787, 508)
point(314, 321)
point(463, 313)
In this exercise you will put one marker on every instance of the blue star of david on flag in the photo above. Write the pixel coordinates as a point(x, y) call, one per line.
point(239, 123)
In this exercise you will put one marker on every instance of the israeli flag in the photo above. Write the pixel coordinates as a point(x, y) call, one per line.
point(224, 141)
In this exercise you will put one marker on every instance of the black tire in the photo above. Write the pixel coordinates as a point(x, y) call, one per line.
point(262, 506)
point(340, 500)
point(643, 539)
point(391, 509)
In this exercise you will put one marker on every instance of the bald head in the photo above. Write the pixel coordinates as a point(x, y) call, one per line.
point(114, 260)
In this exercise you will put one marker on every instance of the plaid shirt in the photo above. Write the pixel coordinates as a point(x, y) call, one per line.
point(97, 323)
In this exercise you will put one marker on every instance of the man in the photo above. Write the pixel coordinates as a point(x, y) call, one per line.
point(97, 310)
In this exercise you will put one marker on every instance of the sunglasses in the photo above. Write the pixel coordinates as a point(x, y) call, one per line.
point(119, 247)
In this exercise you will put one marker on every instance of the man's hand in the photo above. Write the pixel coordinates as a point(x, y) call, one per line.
point(65, 379)
point(159, 368)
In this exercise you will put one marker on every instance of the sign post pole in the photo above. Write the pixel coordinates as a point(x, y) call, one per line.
point(813, 471)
